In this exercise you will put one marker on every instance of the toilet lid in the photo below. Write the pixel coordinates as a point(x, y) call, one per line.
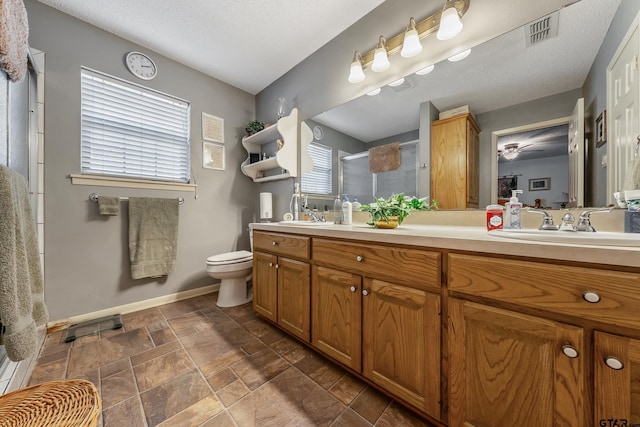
point(230, 257)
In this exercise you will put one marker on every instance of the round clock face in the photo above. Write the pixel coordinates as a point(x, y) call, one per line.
point(141, 65)
point(318, 133)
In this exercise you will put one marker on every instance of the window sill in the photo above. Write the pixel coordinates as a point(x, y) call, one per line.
point(109, 181)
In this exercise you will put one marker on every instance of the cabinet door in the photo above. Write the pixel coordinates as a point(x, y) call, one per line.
point(336, 315)
point(473, 172)
point(509, 369)
point(616, 380)
point(449, 163)
point(265, 285)
point(401, 347)
point(294, 297)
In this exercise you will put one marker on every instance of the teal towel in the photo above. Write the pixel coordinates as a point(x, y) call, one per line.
point(22, 305)
point(153, 236)
point(109, 205)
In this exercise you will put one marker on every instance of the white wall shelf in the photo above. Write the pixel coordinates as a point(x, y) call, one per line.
point(296, 136)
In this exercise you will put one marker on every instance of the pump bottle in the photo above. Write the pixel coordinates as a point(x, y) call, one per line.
point(512, 211)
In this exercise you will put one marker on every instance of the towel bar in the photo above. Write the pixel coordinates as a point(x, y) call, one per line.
point(95, 196)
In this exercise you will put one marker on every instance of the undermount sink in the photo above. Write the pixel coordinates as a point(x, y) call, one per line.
point(303, 223)
point(598, 238)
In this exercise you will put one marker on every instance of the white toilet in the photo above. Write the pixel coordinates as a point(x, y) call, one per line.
point(234, 271)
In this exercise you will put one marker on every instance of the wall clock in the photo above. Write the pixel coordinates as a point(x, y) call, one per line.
point(318, 133)
point(141, 66)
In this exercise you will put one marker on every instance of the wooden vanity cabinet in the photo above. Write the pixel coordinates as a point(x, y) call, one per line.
point(511, 369)
point(616, 379)
point(282, 284)
point(454, 162)
point(376, 309)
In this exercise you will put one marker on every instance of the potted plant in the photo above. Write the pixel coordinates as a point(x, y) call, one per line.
point(389, 213)
point(254, 126)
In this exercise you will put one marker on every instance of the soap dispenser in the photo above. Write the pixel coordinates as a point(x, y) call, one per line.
point(512, 211)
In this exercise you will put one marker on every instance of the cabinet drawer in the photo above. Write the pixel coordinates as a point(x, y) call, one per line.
point(412, 267)
point(282, 244)
point(556, 288)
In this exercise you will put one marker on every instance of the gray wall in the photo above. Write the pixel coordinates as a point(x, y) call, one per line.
point(86, 255)
point(595, 100)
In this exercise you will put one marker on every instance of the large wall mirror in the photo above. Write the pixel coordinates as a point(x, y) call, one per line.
point(508, 83)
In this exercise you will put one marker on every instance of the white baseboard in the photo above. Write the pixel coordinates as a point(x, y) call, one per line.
point(134, 306)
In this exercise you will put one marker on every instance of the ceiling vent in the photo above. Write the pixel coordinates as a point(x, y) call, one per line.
point(542, 29)
point(407, 84)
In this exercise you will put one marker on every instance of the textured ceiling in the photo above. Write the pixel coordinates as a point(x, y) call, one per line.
point(225, 39)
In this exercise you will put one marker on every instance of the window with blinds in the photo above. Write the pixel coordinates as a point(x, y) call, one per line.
point(318, 181)
point(131, 131)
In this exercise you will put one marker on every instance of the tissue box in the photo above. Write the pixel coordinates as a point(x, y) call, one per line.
point(631, 222)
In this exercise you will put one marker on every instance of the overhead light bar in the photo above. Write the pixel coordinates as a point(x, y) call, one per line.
point(405, 42)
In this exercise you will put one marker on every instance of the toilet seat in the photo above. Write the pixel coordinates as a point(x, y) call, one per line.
point(230, 258)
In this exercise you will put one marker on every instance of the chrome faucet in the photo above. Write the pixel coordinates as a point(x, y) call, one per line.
point(315, 217)
point(547, 219)
point(584, 220)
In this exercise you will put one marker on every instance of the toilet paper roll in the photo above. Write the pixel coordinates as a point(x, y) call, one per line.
point(266, 211)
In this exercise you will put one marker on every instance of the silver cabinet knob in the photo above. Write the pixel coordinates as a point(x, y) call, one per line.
point(591, 297)
point(613, 363)
point(365, 292)
point(270, 264)
point(277, 266)
point(353, 289)
point(274, 243)
point(359, 258)
point(570, 351)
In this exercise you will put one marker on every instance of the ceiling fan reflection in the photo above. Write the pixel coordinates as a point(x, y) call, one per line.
point(511, 151)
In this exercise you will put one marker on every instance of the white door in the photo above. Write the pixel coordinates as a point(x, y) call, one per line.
point(576, 156)
point(623, 97)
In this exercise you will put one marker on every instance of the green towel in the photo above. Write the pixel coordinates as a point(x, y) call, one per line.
point(153, 236)
point(109, 205)
point(22, 304)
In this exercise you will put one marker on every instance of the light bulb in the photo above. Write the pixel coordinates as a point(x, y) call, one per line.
point(380, 58)
point(459, 56)
point(425, 70)
point(374, 92)
point(450, 24)
point(397, 82)
point(411, 45)
point(356, 74)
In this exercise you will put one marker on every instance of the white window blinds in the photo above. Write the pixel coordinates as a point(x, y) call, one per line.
point(131, 131)
point(318, 181)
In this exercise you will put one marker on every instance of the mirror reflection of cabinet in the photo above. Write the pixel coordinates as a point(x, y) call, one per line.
point(454, 162)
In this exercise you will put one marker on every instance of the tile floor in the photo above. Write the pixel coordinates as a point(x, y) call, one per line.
point(190, 363)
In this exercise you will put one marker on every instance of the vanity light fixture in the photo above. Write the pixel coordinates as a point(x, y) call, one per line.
point(411, 45)
point(356, 74)
point(425, 70)
point(450, 24)
point(380, 57)
point(397, 82)
point(408, 41)
point(510, 155)
point(459, 56)
point(374, 92)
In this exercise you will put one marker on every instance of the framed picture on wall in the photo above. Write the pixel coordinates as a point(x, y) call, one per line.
point(601, 128)
point(537, 184)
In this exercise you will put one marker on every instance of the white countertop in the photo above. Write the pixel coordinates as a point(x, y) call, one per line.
point(475, 239)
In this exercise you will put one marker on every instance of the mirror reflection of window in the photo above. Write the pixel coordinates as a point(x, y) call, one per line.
point(366, 186)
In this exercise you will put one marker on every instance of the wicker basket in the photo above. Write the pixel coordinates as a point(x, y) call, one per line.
point(71, 403)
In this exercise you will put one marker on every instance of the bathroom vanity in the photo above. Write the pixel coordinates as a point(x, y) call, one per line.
point(443, 321)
